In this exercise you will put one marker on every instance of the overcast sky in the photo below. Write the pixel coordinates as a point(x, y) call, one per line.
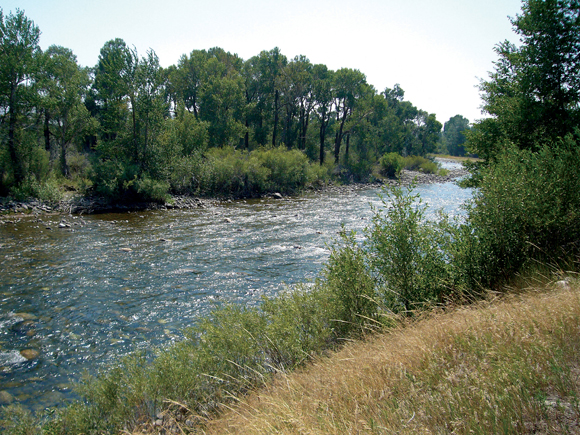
point(437, 50)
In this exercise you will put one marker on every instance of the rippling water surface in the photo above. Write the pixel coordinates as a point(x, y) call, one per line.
point(111, 283)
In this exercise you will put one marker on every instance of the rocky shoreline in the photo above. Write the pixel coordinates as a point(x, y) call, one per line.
point(79, 205)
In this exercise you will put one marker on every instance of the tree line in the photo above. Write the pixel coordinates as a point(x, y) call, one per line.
point(127, 121)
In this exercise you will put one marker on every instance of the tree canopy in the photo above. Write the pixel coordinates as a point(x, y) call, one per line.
point(128, 121)
point(533, 95)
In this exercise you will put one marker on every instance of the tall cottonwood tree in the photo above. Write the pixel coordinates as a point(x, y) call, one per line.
point(222, 98)
point(271, 64)
point(349, 86)
point(323, 97)
point(454, 135)
point(533, 95)
point(19, 52)
point(63, 85)
point(149, 107)
point(114, 74)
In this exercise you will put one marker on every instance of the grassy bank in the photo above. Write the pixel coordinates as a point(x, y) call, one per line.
point(506, 366)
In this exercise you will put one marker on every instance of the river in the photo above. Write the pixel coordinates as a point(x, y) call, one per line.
point(81, 296)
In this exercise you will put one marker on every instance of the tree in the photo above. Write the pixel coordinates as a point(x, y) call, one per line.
point(114, 78)
point(64, 85)
point(296, 88)
point(323, 96)
point(19, 52)
point(271, 64)
point(349, 86)
point(428, 132)
point(149, 108)
point(533, 96)
point(189, 78)
point(453, 135)
point(222, 99)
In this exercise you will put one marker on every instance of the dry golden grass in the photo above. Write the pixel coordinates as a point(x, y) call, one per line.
point(507, 366)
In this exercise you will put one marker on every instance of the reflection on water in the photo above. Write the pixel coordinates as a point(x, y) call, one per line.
point(84, 295)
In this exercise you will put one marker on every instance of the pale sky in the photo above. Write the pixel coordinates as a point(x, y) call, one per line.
point(437, 50)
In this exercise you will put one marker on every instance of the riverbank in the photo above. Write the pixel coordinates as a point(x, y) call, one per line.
point(79, 205)
point(508, 363)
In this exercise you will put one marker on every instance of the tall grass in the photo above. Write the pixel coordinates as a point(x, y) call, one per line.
point(504, 368)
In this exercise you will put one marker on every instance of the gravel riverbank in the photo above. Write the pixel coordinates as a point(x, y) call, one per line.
point(79, 205)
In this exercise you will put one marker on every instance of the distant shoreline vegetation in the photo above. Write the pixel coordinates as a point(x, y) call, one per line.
point(211, 125)
point(235, 183)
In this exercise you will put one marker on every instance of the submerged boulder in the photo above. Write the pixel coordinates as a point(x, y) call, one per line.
point(29, 354)
point(6, 398)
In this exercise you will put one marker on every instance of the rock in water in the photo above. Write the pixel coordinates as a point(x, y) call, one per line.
point(26, 316)
point(6, 398)
point(29, 354)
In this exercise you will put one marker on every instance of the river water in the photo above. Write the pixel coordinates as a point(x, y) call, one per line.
point(82, 296)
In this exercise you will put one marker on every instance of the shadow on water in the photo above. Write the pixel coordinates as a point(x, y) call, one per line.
point(73, 299)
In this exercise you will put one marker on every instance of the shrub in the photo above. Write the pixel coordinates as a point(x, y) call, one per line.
point(186, 174)
point(79, 166)
point(527, 208)
point(347, 276)
point(418, 163)
point(148, 189)
point(409, 256)
point(230, 172)
point(32, 188)
point(391, 164)
point(288, 168)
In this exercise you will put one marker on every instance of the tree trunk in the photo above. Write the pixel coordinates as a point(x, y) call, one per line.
point(347, 147)
point(323, 125)
point(276, 96)
point(16, 163)
point(47, 131)
point(339, 135)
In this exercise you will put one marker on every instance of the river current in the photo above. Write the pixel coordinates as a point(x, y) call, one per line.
point(81, 296)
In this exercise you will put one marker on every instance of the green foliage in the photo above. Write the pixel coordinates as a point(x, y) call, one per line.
point(526, 208)
point(79, 166)
point(320, 174)
point(288, 169)
point(144, 128)
point(16, 420)
point(453, 137)
point(31, 188)
point(348, 278)
point(391, 164)
point(300, 324)
point(358, 168)
point(533, 94)
point(410, 256)
point(185, 176)
point(151, 190)
point(422, 164)
point(230, 172)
